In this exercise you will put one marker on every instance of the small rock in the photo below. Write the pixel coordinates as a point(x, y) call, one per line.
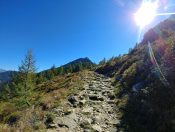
point(88, 110)
point(68, 112)
point(62, 130)
point(69, 121)
point(97, 128)
point(114, 122)
point(87, 130)
point(88, 120)
point(81, 97)
point(82, 102)
point(62, 125)
point(96, 119)
point(52, 126)
point(110, 112)
point(111, 102)
point(112, 129)
point(73, 100)
point(111, 96)
point(96, 97)
point(85, 124)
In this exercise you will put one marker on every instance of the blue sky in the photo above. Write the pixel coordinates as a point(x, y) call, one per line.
point(60, 31)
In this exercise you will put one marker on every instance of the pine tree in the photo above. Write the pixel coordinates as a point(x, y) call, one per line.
point(54, 70)
point(70, 69)
point(5, 93)
point(102, 62)
point(80, 66)
point(41, 78)
point(25, 80)
point(61, 71)
point(49, 74)
point(27, 70)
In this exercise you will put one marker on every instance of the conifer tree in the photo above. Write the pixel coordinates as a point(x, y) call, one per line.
point(71, 69)
point(41, 78)
point(61, 70)
point(24, 81)
point(102, 62)
point(54, 70)
point(49, 74)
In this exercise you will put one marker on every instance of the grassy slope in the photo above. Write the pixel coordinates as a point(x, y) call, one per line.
point(44, 98)
point(151, 108)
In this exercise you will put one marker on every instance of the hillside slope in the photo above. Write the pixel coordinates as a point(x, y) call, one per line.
point(145, 81)
point(16, 114)
point(83, 101)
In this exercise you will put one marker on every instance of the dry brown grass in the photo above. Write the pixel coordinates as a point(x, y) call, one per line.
point(46, 96)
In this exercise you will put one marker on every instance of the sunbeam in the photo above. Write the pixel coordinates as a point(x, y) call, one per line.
point(140, 34)
point(156, 65)
point(165, 14)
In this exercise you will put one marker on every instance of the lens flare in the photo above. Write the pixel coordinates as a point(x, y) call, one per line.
point(146, 13)
point(156, 65)
point(148, 10)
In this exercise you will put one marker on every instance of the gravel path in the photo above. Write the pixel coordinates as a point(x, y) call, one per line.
point(91, 110)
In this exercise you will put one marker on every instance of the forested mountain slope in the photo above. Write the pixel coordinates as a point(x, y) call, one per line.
point(71, 67)
point(5, 76)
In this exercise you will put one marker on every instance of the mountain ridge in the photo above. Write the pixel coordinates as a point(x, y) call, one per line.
point(85, 59)
point(5, 76)
point(71, 67)
point(2, 70)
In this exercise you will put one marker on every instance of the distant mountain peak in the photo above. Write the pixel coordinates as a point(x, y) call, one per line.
point(5, 75)
point(2, 70)
point(71, 67)
point(83, 60)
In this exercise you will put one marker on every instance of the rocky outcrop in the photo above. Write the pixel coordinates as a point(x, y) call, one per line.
point(91, 110)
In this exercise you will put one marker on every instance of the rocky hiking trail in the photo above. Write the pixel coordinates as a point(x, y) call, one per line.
point(91, 110)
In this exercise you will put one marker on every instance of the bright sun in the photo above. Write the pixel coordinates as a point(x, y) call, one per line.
point(146, 13)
